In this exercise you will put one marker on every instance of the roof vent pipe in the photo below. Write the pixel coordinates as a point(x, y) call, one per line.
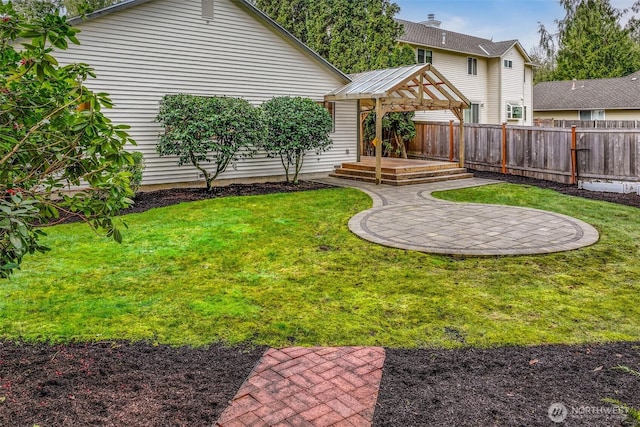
point(431, 21)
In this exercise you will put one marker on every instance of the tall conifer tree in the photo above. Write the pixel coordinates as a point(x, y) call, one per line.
point(354, 35)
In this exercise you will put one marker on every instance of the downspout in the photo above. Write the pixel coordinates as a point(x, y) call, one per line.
point(359, 137)
point(500, 103)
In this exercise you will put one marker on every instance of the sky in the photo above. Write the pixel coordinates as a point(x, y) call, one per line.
point(492, 19)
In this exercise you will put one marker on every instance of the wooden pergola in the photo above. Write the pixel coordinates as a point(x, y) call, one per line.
point(412, 88)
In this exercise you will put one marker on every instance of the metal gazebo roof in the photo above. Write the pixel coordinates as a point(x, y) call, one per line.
point(412, 88)
point(409, 88)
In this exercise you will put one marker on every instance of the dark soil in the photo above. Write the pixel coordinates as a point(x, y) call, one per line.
point(160, 198)
point(116, 384)
point(631, 199)
point(512, 386)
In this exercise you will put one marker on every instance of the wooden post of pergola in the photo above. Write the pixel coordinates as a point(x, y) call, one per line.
point(379, 116)
point(412, 88)
point(459, 113)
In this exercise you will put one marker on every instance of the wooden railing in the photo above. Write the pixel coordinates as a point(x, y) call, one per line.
point(554, 154)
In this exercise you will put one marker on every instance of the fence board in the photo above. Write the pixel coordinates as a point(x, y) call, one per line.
point(537, 152)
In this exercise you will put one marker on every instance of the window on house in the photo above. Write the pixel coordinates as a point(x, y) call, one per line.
point(331, 108)
point(472, 115)
point(472, 66)
point(424, 56)
point(515, 111)
point(592, 115)
point(508, 63)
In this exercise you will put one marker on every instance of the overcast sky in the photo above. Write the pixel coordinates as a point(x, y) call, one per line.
point(497, 19)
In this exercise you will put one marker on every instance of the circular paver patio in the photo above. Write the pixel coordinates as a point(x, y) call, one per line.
point(410, 218)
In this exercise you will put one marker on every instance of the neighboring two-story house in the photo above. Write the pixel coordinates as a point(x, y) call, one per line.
point(497, 77)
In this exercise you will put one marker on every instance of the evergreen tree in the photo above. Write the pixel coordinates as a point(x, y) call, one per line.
point(40, 8)
point(354, 35)
point(591, 42)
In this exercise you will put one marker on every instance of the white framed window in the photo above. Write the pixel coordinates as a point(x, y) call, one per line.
point(424, 56)
point(472, 114)
point(331, 108)
point(591, 115)
point(515, 111)
point(472, 66)
point(508, 63)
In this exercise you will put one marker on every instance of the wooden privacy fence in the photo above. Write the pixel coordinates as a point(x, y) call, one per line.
point(554, 154)
point(595, 124)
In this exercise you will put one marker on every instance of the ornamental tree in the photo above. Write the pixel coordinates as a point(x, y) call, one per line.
point(39, 8)
point(53, 138)
point(216, 130)
point(398, 129)
point(295, 126)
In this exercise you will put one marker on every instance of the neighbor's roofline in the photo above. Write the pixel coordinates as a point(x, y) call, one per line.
point(515, 43)
point(260, 14)
point(586, 108)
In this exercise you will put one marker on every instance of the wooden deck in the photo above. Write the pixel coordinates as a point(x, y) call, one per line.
point(401, 171)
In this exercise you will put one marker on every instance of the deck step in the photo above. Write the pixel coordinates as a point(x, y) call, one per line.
point(399, 169)
point(406, 181)
point(400, 176)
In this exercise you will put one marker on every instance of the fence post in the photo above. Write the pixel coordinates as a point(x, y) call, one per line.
point(451, 140)
point(574, 157)
point(504, 148)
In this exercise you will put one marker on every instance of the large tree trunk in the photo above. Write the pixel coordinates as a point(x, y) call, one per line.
point(400, 144)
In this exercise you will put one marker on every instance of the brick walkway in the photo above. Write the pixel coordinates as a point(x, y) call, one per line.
point(410, 218)
point(317, 386)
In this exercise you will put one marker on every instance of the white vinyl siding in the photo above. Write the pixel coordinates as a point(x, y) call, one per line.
point(492, 87)
point(514, 88)
point(494, 97)
point(167, 47)
point(454, 68)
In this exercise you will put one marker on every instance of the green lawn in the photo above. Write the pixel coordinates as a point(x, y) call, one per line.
point(284, 269)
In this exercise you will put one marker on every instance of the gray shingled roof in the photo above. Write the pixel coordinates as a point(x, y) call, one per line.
point(424, 35)
point(599, 94)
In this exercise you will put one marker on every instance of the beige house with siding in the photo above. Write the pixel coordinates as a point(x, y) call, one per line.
point(497, 77)
point(144, 49)
point(596, 99)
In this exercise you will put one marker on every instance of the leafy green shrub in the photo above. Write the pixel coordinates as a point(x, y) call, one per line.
point(52, 136)
point(135, 169)
point(398, 129)
point(201, 129)
point(295, 126)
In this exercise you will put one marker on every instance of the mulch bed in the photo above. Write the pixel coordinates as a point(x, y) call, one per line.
point(511, 386)
point(118, 384)
point(126, 384)
point(156, 199)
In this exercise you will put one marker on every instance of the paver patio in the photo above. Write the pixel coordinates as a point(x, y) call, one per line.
point(317, 386)
point(410, 218)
